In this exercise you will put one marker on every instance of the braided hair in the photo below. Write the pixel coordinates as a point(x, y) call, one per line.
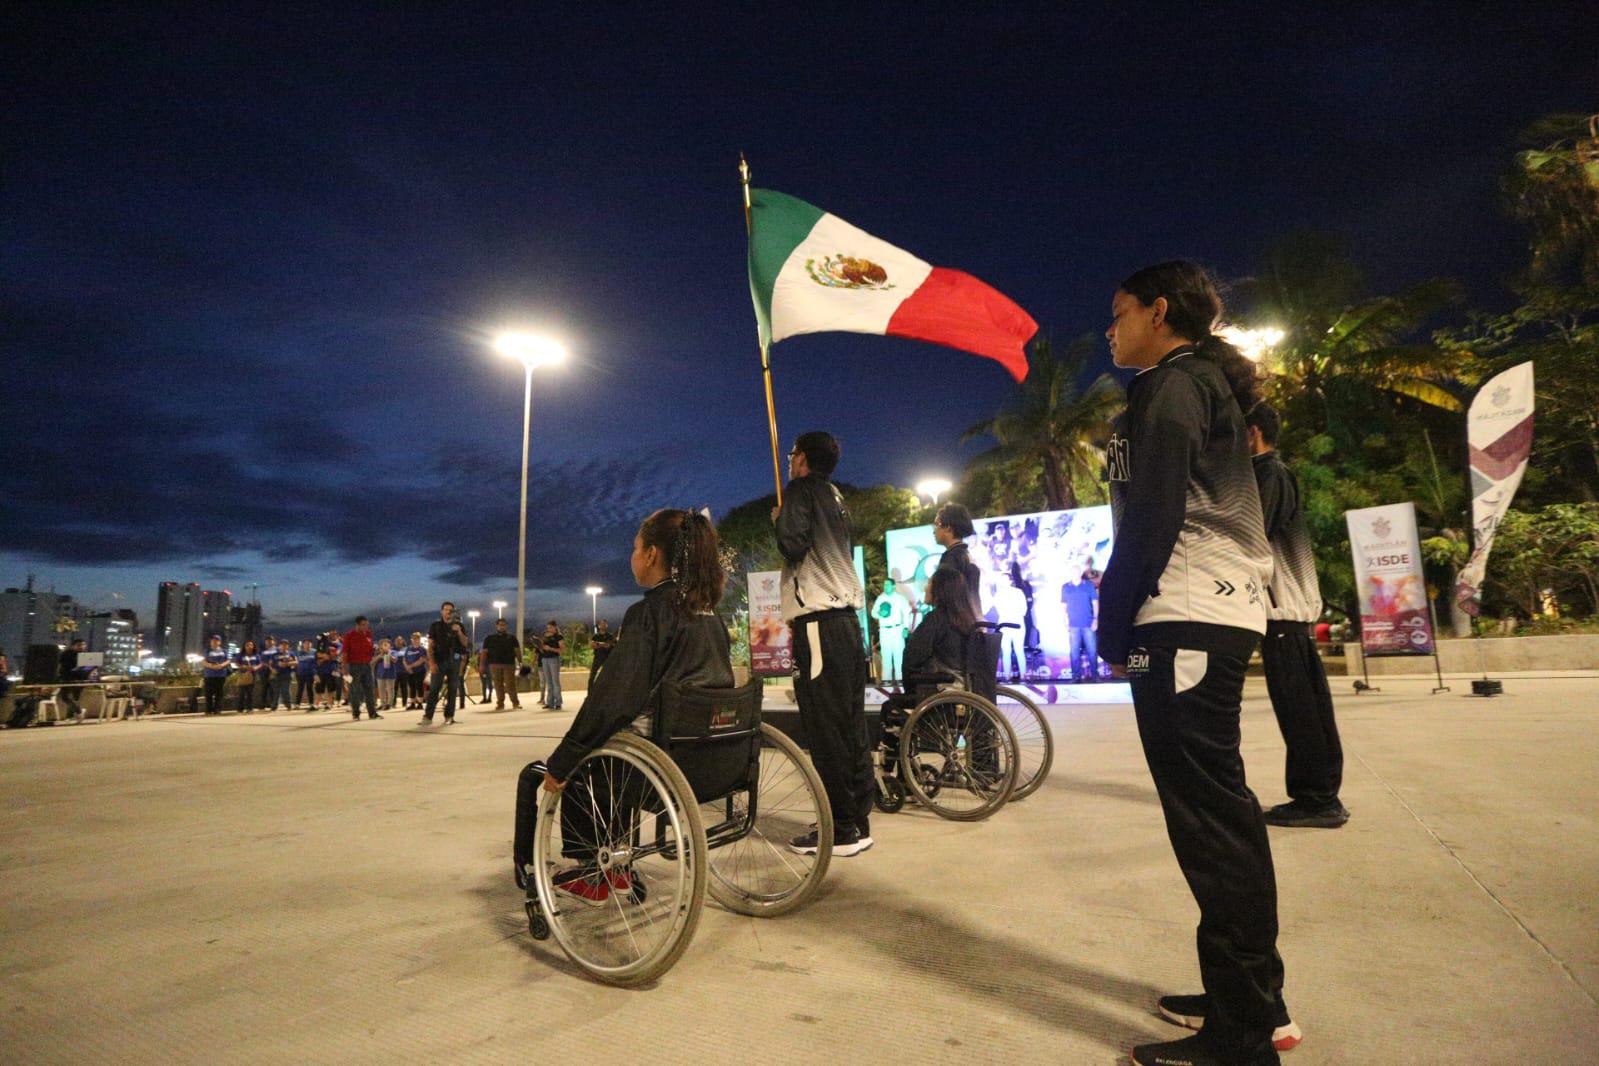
point(688, 542)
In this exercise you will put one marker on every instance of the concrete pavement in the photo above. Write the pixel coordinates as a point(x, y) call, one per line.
point(304, 888)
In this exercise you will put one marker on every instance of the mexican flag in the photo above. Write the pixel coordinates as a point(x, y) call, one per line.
point(812, 272)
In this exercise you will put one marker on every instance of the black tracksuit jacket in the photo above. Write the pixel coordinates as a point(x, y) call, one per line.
point(658, 641)
point(818, 557)
point(1191, 561)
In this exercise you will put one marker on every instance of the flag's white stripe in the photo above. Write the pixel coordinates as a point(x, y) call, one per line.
point(802, 305)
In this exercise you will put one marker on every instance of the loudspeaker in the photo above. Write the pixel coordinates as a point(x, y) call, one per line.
point(41, 665)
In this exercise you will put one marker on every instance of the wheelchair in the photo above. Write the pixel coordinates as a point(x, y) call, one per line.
point(955, 752)
point(706, 804)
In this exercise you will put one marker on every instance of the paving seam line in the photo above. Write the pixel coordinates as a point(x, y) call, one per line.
point(1556, 959)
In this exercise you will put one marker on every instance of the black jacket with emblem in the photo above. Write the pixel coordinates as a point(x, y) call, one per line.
point(818, 558)
point(659, 641)
point(1191, 561)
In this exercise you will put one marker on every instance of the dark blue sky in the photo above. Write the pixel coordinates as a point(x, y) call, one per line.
point(250, 257)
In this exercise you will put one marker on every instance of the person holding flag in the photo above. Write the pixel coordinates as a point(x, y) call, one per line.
point(820, 597)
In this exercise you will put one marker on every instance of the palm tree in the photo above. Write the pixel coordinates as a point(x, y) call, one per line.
point(1052, 425)
point(1554, 187)
point(1340, 350)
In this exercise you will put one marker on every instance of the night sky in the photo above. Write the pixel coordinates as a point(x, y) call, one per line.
point(251, 258)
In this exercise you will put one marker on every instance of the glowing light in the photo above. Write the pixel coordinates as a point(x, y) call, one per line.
point(532, 349)
point(933, 487)
point(1256, 344)
point(593, 590)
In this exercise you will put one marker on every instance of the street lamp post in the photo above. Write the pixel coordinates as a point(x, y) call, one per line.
point(499, 605)
point(473, 615)
point(534, 352)
point(594, 606)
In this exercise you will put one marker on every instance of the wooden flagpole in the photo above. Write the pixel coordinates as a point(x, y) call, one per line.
point(766, 361)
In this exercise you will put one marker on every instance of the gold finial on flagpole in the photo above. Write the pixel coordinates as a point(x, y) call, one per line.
point(766, 362)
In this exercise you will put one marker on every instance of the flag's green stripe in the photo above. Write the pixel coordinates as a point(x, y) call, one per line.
point(780, 223)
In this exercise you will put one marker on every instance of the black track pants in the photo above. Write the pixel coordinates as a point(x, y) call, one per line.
point(830, 687)
point(1187, 703)
point(1304, 708)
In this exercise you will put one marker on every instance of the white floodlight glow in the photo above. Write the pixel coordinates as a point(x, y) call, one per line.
point(532, 349)
point(593, 590)
point(1255, 344)
point(934, 487)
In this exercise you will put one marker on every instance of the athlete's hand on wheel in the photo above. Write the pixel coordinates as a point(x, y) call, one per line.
point(552, 785)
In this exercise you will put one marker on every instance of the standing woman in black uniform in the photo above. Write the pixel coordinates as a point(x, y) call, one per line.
point(1182, 608)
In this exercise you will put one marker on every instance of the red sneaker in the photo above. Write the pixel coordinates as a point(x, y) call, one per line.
point(584, 883)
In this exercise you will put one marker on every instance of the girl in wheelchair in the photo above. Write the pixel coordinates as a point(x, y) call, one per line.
point(671, 635)
point(949, 644)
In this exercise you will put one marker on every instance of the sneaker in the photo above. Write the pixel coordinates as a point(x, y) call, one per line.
point(1189, 1012)
point(374, 714)
point(585, 884)
point(427, 719)
point(846, 842)
point(356, 716)
point(448, 720)
point(523, 873)
point(1295, 815)
point(1196, 1051)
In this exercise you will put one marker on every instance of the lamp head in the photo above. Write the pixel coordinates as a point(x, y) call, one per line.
point(532, 349)
point(593, 590)
point(499, 605)
point(933, 486)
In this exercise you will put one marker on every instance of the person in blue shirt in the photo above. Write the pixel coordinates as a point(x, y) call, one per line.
point(283, 666)
point(414, 667)
point(305, 675)
point(217, 665)
point(327, 673)
point(249, 663)
point(1081, 600)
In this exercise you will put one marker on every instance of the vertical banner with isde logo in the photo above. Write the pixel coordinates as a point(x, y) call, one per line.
point(771, 646)
point(1394, 619)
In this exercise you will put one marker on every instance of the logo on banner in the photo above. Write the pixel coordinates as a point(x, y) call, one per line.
point(1501, 396)
point(1381, 527)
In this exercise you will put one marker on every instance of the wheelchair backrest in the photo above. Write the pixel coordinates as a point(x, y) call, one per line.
point(713, 734)
point(982, 657)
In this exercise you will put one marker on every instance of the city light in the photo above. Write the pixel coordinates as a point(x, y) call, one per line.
point(933, 487)
point(1255, 344)
point(499, 605)
point(593, 593)
point(474, 616)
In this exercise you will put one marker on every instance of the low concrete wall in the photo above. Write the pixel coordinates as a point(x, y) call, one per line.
point(1494, 654)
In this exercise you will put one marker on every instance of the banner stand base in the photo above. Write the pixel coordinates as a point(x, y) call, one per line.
point(1486, 686)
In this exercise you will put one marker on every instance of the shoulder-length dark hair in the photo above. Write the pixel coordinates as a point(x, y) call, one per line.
point(947, 592)
point(688, 543)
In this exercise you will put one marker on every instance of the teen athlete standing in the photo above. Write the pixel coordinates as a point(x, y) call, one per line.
point(1182, 607)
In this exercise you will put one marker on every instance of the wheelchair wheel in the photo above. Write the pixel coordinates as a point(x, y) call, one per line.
point(958, 756)
point(889, 796)
point(619, 862)
point(1035, 741)
point(756, 873)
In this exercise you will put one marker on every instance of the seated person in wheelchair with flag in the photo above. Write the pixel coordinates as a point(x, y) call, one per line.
point(671, 635)
point(958, 740)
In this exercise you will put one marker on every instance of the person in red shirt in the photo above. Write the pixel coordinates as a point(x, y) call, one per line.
point(357, 660)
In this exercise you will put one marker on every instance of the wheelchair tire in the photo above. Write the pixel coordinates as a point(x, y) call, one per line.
point(646, 830)
point(889, 796)
point(1035, 741)
point(536, 923)
point(958, 728)
point(756, 874)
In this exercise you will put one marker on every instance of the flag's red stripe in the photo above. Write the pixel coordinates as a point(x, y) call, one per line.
point(955, 309)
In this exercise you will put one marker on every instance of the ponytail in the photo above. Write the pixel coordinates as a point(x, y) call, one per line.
point(1193, 309)
point(1241, 374)
point(688, 542)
